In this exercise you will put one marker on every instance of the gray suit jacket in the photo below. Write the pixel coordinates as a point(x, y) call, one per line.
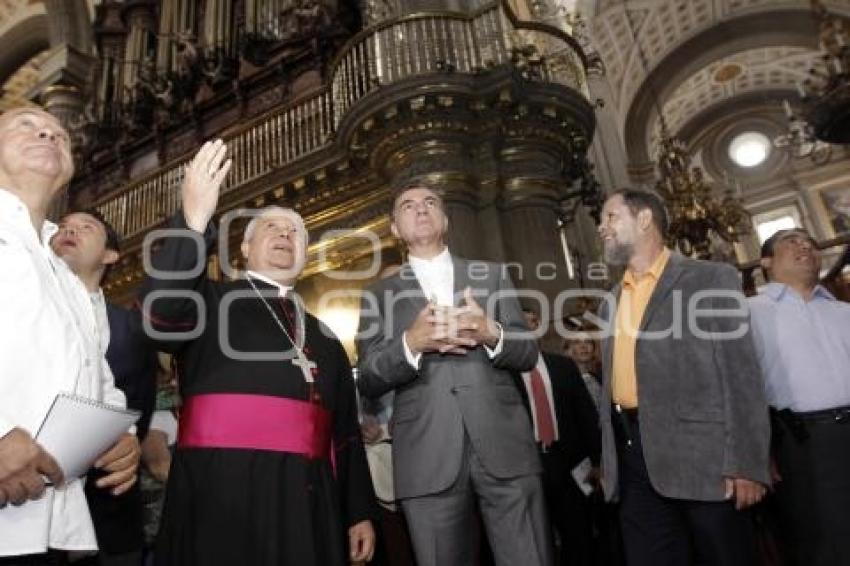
point(703, 414)
point(449, 395)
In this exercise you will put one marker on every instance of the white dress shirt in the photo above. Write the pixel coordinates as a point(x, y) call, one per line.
point(98, 303)
point(50, 344)
point(547, 384)
point(436, 276)
point(594, 388)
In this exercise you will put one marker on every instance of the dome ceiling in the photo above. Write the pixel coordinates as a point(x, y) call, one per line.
point(768, 68)
point(696, 58)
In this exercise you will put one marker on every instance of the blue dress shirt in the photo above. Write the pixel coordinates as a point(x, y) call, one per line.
point(803, 348)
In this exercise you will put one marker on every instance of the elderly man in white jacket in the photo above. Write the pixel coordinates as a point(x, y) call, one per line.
point(49, 343)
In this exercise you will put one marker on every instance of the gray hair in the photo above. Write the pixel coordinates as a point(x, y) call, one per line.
point(257, 214)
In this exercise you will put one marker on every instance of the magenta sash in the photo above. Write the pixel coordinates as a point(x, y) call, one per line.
point(255, 422)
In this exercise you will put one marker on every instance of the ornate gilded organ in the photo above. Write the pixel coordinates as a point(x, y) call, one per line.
point(323, 107)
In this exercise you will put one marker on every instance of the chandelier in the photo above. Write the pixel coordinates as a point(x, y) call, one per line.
point(826, 93)
point(800, 140)
point(698, 218)
point(696, 214)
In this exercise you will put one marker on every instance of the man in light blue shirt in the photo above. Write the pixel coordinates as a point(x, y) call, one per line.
point(802, 338)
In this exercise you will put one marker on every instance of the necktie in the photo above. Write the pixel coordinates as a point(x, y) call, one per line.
point(545, 426)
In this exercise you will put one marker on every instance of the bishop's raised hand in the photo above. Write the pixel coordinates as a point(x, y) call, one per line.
point(202, 184)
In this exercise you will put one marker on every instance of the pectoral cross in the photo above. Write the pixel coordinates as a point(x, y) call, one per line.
point(306, 366)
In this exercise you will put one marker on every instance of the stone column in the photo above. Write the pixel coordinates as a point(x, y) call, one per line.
point(608, 153)
point(71, 58)
point(642, 174)
point(69, 24)
point(532, 188)
point(492, 246)
point(66, 103)
point(586, 248)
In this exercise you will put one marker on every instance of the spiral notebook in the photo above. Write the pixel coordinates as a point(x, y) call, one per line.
point(77, 430)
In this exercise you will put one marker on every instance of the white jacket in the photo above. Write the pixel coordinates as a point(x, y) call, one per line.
point(49, 343)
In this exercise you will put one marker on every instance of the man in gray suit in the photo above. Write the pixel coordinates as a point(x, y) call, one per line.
point(460, 430)
point(685, 448)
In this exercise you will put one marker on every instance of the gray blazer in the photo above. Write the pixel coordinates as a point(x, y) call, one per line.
point(450, 395)
point(703, 414)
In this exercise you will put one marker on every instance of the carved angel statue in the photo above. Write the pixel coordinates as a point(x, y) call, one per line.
point(187, 54)
point(82, 128)
point(305, 18)
point(377, 11)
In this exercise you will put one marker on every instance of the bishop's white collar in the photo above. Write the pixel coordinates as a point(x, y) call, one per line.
point(281, 289)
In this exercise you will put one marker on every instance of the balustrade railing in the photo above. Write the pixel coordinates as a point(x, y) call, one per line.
point(386, 53)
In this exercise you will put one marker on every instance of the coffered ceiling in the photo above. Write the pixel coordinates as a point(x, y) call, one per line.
point(766, 68)
point(686, 56)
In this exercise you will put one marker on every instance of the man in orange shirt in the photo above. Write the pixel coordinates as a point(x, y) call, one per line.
point(684, 418)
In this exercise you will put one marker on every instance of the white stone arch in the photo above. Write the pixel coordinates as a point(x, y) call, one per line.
point(24, 32)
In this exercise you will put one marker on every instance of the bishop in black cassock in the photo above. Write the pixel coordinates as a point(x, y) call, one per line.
point(270, 467)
